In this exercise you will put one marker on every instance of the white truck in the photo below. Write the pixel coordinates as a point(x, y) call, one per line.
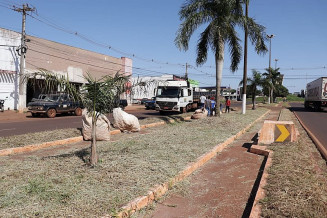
point(174, 96)
point(316, 94)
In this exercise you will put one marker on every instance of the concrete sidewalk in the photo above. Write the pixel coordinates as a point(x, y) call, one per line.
point(225, 186)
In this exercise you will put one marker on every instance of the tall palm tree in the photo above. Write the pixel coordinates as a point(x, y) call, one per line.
point(253, 83)
point(221, 17)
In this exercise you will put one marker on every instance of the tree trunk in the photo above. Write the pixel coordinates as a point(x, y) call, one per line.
point(219, 59)
point(94, 156)
point(253, 99)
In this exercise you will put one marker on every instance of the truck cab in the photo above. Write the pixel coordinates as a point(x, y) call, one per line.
point(174, 96)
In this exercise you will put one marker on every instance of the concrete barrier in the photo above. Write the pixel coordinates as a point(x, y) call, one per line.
point(277, 131)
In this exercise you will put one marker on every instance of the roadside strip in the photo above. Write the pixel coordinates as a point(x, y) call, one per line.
point(260, 194)
point(318, 144)
point(161, 189)
point(29, 148)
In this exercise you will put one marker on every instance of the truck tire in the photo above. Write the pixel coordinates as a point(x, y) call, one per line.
point(78, 111)
point(317, 106)
point(306, 105)
point(182, 110)
point(162, 112)
point(51, 113)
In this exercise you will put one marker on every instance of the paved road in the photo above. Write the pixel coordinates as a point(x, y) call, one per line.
point(315, 121)
point(27, 124)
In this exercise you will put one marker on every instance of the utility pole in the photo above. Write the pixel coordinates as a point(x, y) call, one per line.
point(245, 57)
point(270, 89)
point(21, 51)
point(186, 75)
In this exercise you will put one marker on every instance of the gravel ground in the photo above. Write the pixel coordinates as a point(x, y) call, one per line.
point(64, 185)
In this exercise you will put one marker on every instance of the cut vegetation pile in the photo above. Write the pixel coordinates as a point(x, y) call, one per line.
point(64, 185)
point(58, 134)
point(297, 182)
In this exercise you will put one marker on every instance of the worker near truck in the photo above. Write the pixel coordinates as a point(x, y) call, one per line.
point(208, 105)
point(227, 105)
point(202, 101)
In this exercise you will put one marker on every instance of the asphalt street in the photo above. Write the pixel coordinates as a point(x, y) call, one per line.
point(315, 121)
point(29, 124)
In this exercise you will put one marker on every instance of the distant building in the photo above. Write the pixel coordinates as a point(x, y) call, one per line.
point(54, 57)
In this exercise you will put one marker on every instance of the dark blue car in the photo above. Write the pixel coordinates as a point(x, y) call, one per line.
point(150, 104)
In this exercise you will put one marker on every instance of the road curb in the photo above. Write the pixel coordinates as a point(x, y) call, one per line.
point(318, 144)
point(260, 194)
point(34, 147)
point(159, 190)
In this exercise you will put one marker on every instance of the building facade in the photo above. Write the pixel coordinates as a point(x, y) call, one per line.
point(51, 56)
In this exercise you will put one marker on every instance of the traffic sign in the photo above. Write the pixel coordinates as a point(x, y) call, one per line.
point(281, 133)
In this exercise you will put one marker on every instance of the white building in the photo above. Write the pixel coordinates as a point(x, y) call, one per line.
point(54, 57)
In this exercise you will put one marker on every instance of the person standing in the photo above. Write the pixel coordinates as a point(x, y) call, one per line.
point(202, 101)
point(227, 105)
point(208, 105)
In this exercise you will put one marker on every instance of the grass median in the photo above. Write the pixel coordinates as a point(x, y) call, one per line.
point(297, 181)
point(64, 185)
point(58, 134)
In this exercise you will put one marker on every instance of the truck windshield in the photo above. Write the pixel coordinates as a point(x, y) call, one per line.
point(168, 92)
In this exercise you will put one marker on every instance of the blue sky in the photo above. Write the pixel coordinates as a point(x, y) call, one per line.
point(147, 29)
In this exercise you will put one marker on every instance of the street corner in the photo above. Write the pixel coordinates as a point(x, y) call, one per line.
point(277, 131)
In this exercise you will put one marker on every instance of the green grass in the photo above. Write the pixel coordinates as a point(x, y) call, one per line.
point(63, 185)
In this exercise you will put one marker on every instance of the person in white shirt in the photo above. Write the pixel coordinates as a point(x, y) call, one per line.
point(202, 101)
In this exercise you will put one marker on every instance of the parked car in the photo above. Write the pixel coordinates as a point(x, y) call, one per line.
point(53, 104)
point(150, 104)
point(143, 100)
point(136, 101)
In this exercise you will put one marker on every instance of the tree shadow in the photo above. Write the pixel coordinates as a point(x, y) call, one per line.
point(83, 154)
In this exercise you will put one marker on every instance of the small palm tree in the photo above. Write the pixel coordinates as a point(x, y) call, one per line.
point(99, 96)
point(253, 83)
point(221, 17)
point(273, 77)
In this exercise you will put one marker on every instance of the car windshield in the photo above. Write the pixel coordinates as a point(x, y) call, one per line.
point(51, 98)
point(168, 92)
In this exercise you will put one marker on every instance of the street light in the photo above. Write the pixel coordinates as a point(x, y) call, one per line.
point(276, 63)
point(269, 69)
point(270, 37)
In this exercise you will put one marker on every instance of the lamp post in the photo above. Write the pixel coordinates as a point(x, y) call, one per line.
point(276, 63)
point(269, 69)
point(270, 37)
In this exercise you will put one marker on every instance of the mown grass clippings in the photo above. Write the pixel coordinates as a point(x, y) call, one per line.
point(297, 181)
point(58, 134)
point(63, 185)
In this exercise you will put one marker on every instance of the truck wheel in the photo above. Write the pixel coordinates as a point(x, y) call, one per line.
point(162, 112)
point(78, 111)
point(183, 110)
point(306, 105)
point(51, 113)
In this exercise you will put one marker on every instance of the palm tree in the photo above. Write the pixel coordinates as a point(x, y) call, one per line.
point(99, 96)
point(253, 83)
point(221, 17)
point(273, 78)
